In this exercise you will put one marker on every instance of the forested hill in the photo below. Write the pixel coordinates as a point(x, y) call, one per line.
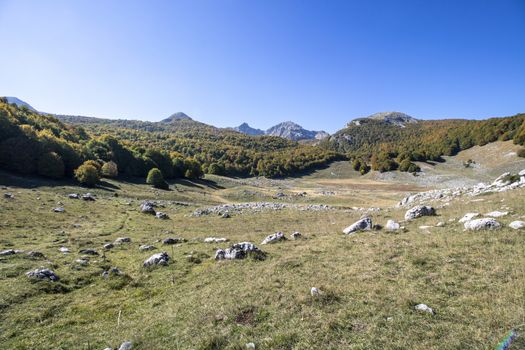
point(388, 145)
point(33, 143)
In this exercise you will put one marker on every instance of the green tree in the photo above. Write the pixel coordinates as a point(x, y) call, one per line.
point(51, 165)
point(156, 179)
point(193, 169)
point(87, 174)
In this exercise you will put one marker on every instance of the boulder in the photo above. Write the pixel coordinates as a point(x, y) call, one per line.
point(109, 246)
point(148, 208)
point(240, 251)
point(215, 240)
point(147, 247)
point(82, 262)
point(276, 237)
point(122, 240)
point(63, 250)
point(517, 225)
point(43, 274)
point(88, 251)
point(73, 196)
point(127, 345)
point(36, 255)
point(497, 214)
point(419, 211)
point(59, 210)
point(424, 308)
point(8, 195)
point(162, 216)
point(250, 346)
point(361, 225)
point(170, 240)
point(157, 259)
point(482, 224)
point(315, 292)
point(296, 235)
point(111, 272)
point(468, 217)
point(88, 197)
point(226, 215)
point(7, 252)
point(391, 225)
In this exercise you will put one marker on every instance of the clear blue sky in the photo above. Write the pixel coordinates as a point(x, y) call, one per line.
point(319, 63)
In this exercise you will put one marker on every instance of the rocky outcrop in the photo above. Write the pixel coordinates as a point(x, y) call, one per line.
point(276, 237)
point(157, 259)
point(43, 274)
point(240, 251)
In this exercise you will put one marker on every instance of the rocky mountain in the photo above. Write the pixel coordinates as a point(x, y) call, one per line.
point(288, 130)
point(19, 103)
point(176, 116)
point(393, 118)
point(248, 130)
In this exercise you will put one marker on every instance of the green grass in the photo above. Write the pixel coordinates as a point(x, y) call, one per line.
point(371, 280)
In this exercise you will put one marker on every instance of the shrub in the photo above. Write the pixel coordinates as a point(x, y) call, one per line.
point(364, 168)
point(193, 169)
point(156, 179)
point(109, 169)
point(87, 174)
point(51, 165)
point(93, 163)
point(408, 166)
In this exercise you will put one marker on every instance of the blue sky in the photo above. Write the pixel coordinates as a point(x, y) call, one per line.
point(223, 62)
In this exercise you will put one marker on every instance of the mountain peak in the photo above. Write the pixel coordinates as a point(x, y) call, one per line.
point(176, 116)
point(19, 102)
point(248, 130)
point(394, 118)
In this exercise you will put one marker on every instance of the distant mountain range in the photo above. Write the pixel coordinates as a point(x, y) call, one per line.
point(19, 103)
point(288, 130)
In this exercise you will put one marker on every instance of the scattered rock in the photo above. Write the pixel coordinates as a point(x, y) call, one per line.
point(157, 259)
point(468, 217)
point(73, 196)
point(296, 235)
point(8, 195)
point(497, 214)
point(36, 255)
point(419, 211)
point(391, 225)
point(315, 292)
point(42, 274)
point(425, 308)
point(170, 240)
point(226, 215)
point(7, 252)
point(59, 210)
point(276, 237)
point(215, 240)
point(122, 240)
point(82, 262)
point(148, 208)
point(482, 224)
point(88, 251)
point(361, 225)
point(240, 251)
point(88, 197)
point(517, 225)
point(250, 346)
point(258, 207)
point(440, 224)
point(127, 345)
point(63, 250)
point(108, 246)
point(162, 216)
point(111, 272)
point(147, 247)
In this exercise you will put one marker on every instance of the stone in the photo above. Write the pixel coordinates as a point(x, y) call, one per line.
point(43, 274)
point(7, 252)
point(108, 246)
point(35, 254)
point(146, 248)
point(88, 197)
point(419, 211)
point(122, 240)
point(250, 346)
point(296, 235)
point(215, 240)
point(127, 345)
point(468, 217)
point(315, 292)
point(276, 237)
point(8, 195)
point(59, 210)
point(148, 208)
point(440, 224)
point(482, 224)
point(63, 250)
point(364, 224)
point(82, 262)
point(162, 216)
point(111, 272)
point(424, 308)
point(517, 225)
point(240, 251)
point(157, 259)
point(391, 225)
point(226, 215)
point(88, 251)
point(73, 196)
point(522, 173)
point(497, 214)
point(170, 240)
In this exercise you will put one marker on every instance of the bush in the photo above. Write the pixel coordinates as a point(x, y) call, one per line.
point(156, 179)
point(193, 169)
point(93, 163)
point(87, 174)
point(408, 166)
point(364, 168)
point(109, 169)
point(521, 153)
point(216, 169)
point(51, 165)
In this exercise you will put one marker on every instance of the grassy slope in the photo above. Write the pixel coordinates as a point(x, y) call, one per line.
point(475, 281)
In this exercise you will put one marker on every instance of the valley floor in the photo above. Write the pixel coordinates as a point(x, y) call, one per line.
point(370, 281)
